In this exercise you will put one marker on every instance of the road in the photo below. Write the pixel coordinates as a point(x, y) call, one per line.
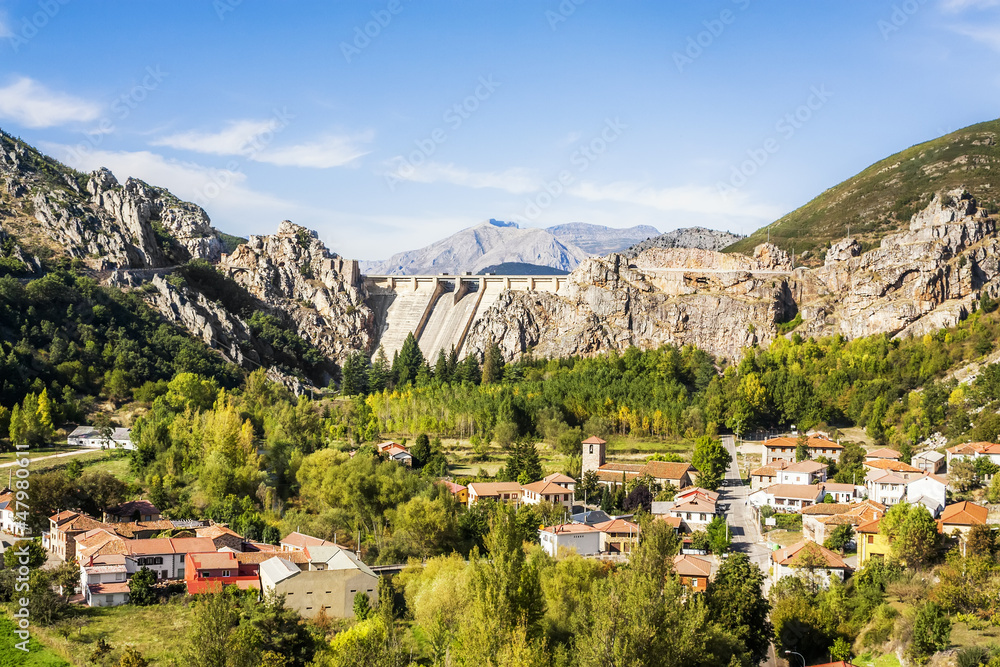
point(743, 529)
point(35, 459)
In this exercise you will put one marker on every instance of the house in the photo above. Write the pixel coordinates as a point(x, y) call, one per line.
point(974, 450)
point(898, 468)
point(885, 487)
point(10, 523)
point(334, 576)
point(579, 537)
point(871, 543)
point(458, 491)
point(609, 474)
point(819, 521)
point(693, 572)
point(546, 492)
point(211, 572)
point(618, 536)
point(930, 461)
point(788, 497)
point(884, 453)
point(134, 510)
point(299, 542)
point(695, 512)
point(561, 480)
point(803, 472)
point(784, 448)
point(593, 517)
point(961, 517)
point(104, 581)
point(222, 537)
point(508, 492)
point(928, 490)
point(142, 530)
point(765, 476)
point(167, 556)
point(693, 492)
point(89, 436)
point(64, 528)
point(399, 454)
point(813, 559)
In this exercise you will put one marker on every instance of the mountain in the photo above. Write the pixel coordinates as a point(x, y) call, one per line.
point(487, 244)
point(881, 199)
point(601, 240)
point(520, 269)
point(690, 237)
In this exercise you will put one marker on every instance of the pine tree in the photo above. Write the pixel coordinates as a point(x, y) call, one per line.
point(408, 362)
point(441, 373)
point(354, 375)
point(492, 364)
point(471, 373)
point(378, 375)
point(452, 363)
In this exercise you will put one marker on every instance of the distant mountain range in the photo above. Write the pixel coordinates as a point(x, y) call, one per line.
point(690, 237)
point(495, 243)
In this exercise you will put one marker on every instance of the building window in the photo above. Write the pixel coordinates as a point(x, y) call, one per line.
point(871, 539)
point(591, 449)
point(206, 573)
point(225, 573)
point(182, 558)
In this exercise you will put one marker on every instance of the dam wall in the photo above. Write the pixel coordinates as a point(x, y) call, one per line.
point(440, 310)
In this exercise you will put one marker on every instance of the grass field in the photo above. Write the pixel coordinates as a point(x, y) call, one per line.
point(36, 656)
point(158, 632)
point(7, 457)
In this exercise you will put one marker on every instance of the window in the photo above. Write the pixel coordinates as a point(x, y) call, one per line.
point(871, 539)
point(694, 582)
point(591, 449)
point(354, 591)
point(225, 573)
point(182, 558)
point(159, 560)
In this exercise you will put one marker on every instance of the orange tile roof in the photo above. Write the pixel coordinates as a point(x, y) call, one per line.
point(828, 509)
point(545, 488)
point(812, 443)
point(618, 526)
point(216, 530)
point(667, 470)
point(789, 555)
point(894, 466)
point(452, 486)
point(869, 526)
point(486, 489)
point(692, 566)
point(674, 521)
point(712, 496)
point(808, 465)
point(797, 491)
point(623, 467)
point(301, 540)
point(109, 588)
point(215, 560)
point(594, 440)
point(559, 478)
point(567, 528)
point(884, 453)
point(963, 514)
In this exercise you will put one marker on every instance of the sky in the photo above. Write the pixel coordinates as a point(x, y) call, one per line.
point(390, 124)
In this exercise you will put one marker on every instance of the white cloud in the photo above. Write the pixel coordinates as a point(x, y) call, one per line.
point(680, 199)
point(29, 103)
point(332, 151)
point(223, 194)
point(253, 139)
point(988, 35)
point(516, 180)
point(963, 5)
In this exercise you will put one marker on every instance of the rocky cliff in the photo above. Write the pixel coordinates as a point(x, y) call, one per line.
point(916, 281)
point(321, 292)
point(689, 237)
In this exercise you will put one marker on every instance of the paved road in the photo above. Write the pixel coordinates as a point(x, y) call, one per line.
point(745, 533)
point(75, 452)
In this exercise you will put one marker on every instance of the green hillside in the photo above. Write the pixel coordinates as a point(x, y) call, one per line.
point(881, 199)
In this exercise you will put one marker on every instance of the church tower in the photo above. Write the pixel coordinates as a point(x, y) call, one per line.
point(593, 453)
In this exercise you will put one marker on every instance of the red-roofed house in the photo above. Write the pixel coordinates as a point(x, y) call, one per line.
point(961, 517)
point(211, 572)
point(693, 572)
point(539, 492)
point(506, 492)
point(459, 492)
point(808, 557)
point(618, 536)
point(134, 510)
point(974, 450)
point(299, 542)
point(578, 537)
point(884, 453)
point(561, 480)
point(784, 448)
point(64, 528)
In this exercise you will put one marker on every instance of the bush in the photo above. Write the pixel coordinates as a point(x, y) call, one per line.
point(790, 522)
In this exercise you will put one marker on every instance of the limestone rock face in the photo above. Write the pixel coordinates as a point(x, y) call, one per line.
point(322, 292)
point(916, 281)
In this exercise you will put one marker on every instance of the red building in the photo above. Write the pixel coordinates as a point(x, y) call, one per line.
point(210, 572)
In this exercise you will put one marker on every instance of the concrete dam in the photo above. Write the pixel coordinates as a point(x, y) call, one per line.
point(440, 310)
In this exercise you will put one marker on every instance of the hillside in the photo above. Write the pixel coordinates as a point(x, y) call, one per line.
point(601, 240)
point(475, 248)
point(882, 198)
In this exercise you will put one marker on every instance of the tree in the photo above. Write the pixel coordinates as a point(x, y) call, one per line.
point(409, 361)
point(735, 599)
point(711, 460)
point(802, 447)
point(354, 375)
point(931, 632)
point(132, 658)
point(840, 537)
point(912, 533)
point(589, 486)
point(421, 450)
point(362, 606)
point(718, 535)
point(45, 426)
point(492, 364)
point(962, 474)
point(140, 587)
point(380, 372)
point(25, 552)
point(103, 489)
point(639, 498)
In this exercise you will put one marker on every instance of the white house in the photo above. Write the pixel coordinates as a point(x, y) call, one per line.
point(765, 476)
point(561, 480)
point(929, 461)
point(104, 580)
point(974, 450)
point(539, 492)
point(89, 436)
point(9, 523)
point(885, 487)
point(695, 512)
point(808, 559)
point(788, 497)
point(803, 472)
point(578, 537)
point(842, 493)
point(930, 491)
point(884, 453)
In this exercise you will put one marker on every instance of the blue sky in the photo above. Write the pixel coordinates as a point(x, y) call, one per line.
point(723, 113)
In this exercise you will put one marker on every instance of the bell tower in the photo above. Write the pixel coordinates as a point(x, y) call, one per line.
point(593, 453)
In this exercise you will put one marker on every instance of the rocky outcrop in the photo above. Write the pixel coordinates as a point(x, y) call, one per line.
point(919, 280)
point(320, 291)
point(689, 237)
